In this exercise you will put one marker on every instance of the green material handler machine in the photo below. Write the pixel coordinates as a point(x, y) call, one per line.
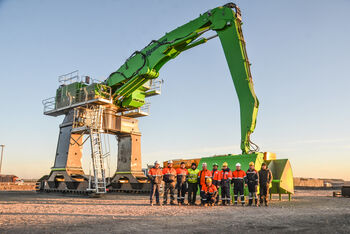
point(91, 107)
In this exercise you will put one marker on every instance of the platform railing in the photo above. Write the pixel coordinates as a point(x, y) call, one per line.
point(69, 78)
point(49, 104)
point(155, 87)
point(138, 112)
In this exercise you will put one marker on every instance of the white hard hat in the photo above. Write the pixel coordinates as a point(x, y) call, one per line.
point(238, 165)
point(170, 161)
point(156, 162)
point(204, 164)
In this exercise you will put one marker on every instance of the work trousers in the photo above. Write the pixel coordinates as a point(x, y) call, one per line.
point(239, 189)
point(217, 185)
point(169, 187)
point(264, 190)
point(181, 192)
point(252, 187)
point(225, 192)
point(192, 193)
point(208, 198)
point(154, 192)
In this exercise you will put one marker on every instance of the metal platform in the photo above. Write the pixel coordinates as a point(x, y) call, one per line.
point(49, 105)
point(136, 113)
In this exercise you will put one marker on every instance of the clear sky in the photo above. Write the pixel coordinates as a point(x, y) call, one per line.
point(299, 50)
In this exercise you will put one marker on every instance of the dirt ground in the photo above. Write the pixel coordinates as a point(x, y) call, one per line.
point(308, 212)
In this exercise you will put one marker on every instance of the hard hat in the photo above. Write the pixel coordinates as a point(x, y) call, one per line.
point(208, 180)
point(204, 164)
point(225, 164)
point(238, 165)
point(215, 164)
point(156, 162)
point(170, 161)
point(251, 164)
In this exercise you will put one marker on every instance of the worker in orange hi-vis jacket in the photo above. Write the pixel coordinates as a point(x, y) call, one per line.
point(169, 177)
point(203, 175)
point(209, 192)
point(155, 174)
point(225, 178)
point(181, 184)
point(238, 179)
point(216, 179)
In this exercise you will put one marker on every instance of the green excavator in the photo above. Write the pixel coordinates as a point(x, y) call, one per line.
point(111, 106)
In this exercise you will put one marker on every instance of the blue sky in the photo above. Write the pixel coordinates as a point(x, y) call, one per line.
point(299, 53)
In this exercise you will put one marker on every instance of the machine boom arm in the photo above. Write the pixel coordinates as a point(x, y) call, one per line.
point(145, 64)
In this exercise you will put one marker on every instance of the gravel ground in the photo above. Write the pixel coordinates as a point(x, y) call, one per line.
point(308, 212)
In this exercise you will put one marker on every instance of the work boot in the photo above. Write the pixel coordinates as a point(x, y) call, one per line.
point(250, 202)
point(158, 204)
point(223, 203)
point(165, 203)
point(266, 202)
point(172, 203)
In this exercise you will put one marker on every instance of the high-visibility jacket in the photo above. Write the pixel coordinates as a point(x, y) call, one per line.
point(203, 174)
point(181, 174)
point(156, 175)
point(169, 175)
point(238, 177)
point(192, 176)
point(226, 174)
point(216, 175)
point(209, 189)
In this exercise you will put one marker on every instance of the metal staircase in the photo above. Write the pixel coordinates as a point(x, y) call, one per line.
point(98, 184)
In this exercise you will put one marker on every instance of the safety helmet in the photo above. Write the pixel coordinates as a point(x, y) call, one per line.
point(215, 164)
point(170, 161)
point(208, 180)
point(156, 162)
point(225, 164)
point(204, 164)
point(251, 164)
point(238, 165)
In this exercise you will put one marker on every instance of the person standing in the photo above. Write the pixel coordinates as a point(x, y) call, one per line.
point(209, 192)
point(238, 178)
point(203, 175)
point(252, 180)
point(181, 183)
point(265, 178)
point(155, 174)
point(169, 177)
point(216, 179)
point(225, 177)
point(192, 181)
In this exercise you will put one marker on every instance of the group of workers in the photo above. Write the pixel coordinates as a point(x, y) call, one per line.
point(189, 180)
